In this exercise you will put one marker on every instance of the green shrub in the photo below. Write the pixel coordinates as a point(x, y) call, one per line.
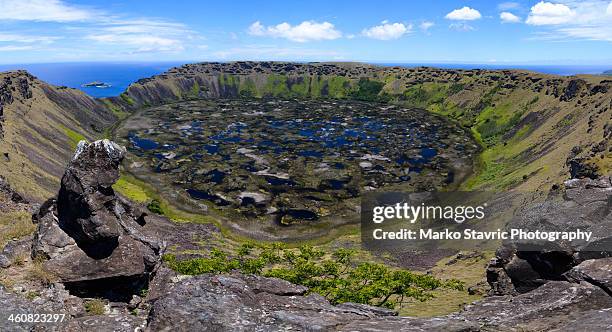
point(455, 88)
point(334, 276)
point(368, 90)
point(155, 207)
point(95, 307)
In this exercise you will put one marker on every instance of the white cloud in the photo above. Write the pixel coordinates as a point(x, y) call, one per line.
point(19, 38)
point(143, 35)
point(507, 17)
point(464, 14)
point(387, 31)
point(548, 13)
point(426, 25)
point(303, 32)
point(589, 33)
point(42, 10)
point(461, 26)
point(12, 48)
point(141, 43)
point(509, 5)
point(257, 29)
point(571, 19)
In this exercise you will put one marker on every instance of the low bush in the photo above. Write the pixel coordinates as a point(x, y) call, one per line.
point(333, 275)
point(155, 207)
point(95, 307)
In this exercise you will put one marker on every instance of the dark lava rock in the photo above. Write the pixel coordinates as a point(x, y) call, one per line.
point(238, 302)
point(114, 323)
point(86, 192)
point(90, 237)
point(580, 168)
point(11, 304)
point(7, 191)
point(551, 306)
point(574, 87)
point(593, 320)
point(14, 249)
point(17, 305)
point(584, 204)
point(595, 271)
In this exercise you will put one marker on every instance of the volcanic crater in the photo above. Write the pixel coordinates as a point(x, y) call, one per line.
point(261, 164)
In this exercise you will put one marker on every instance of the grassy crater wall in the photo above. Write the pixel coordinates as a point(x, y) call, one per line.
point(531, 125)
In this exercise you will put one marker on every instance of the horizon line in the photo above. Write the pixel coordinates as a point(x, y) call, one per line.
point(377, 62)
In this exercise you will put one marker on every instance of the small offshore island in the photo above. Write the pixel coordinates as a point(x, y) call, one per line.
point(96, 84)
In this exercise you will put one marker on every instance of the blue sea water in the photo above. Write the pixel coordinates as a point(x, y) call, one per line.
point(121, 75)
point(74, 75)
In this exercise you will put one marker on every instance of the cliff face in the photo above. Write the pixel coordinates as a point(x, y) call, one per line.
point(536, 128)
point(40, 125)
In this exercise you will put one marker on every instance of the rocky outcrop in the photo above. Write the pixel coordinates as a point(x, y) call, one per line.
point(597, 272)
point(58, 303)
point(584, 204)
point(89, 237)
point(239, 302)
point(555, 305)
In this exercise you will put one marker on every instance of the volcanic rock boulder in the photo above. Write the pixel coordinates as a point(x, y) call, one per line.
point(554, 306)
point(237, 302)
point(585, 204)
point(89, 237)
point(594, 271)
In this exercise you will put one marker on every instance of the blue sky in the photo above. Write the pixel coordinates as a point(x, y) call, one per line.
point(537, 32)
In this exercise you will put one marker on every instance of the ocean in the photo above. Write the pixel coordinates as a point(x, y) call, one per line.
point(121, 75)
point(74, 75)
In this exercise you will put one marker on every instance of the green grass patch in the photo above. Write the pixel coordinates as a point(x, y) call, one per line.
point(522, 132)
point(139, 191)
point(125, 97)
point(493, 122)
point(424, 95)
point(369, 90)
point(129, 189)
point(338, 87)
point(73, 137)
point(15, 225)
point(300, 86)
point(248, 89)
point(119, 113)
point(276, 86)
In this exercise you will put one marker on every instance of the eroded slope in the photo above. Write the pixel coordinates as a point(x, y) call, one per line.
point(40, 125)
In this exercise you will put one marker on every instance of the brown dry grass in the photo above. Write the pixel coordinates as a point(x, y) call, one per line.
point(38, 273)
point(14, 225)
